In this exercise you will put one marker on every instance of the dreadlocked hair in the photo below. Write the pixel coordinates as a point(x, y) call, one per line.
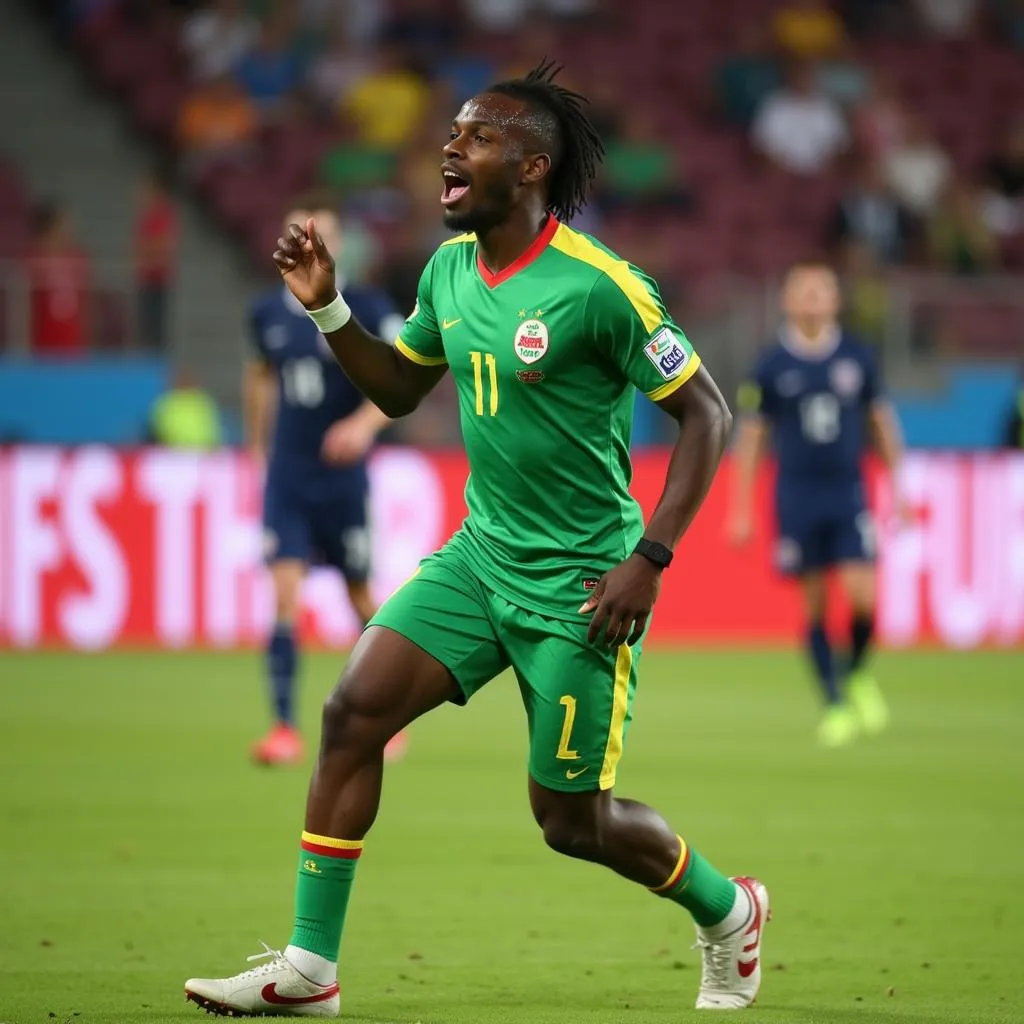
point(559, 120)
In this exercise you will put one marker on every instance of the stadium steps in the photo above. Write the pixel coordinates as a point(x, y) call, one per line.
point(71, 142)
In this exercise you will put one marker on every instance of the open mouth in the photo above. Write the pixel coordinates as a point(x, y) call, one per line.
point(454, 188)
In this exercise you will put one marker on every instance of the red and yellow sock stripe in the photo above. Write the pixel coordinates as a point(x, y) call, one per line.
point(325, 846)
point(678, 872)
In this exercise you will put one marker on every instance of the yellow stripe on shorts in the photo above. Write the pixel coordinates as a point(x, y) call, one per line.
point(620, 705)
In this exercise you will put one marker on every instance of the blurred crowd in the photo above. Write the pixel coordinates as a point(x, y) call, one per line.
point(387, 78)
point(386, 83)
point(68, 313)
point(796, 138)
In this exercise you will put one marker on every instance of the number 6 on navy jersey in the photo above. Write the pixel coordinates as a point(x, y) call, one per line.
point(303, 382)
point(819, 417)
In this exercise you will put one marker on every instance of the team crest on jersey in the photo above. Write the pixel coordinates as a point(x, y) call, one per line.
point(667, 353)
point(531, 340)
point(846, 377)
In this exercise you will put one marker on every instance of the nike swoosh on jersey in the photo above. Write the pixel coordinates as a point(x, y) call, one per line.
point(446, 324)
point(270, 995)
point(570, 774)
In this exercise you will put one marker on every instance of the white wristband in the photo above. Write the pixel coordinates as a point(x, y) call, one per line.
point(332, 317)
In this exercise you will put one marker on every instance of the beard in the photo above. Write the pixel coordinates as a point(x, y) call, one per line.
point(485, 212)
point(476, 221)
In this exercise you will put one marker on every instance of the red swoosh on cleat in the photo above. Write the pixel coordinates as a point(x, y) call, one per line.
point(270, 995)
point(747, 968)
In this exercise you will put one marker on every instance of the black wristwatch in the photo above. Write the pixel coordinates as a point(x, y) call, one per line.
point(654, 552)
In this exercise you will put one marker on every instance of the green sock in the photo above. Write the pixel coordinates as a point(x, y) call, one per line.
point(706, 893)
point(327, 868)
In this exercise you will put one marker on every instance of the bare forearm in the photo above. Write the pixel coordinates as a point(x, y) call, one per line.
point(255, 425)
point(257, 393)
point(890, 449)
point(695, 459)
point(747, 453)
point(888, 440)
point(392, 382)
point(372, 417)
point(376, 368)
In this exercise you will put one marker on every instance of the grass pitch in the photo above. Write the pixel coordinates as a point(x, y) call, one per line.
point(140, 847)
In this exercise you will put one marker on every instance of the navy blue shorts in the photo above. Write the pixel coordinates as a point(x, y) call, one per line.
point(808, 541)
point(329, 528)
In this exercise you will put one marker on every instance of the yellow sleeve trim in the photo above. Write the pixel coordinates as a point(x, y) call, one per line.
point(578, 247)
point(333, 844)
point(675, 383)
point(413, 356)
point(458, 240)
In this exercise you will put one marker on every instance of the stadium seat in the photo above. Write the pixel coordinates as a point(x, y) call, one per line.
point(748, 216)
point(155, 105)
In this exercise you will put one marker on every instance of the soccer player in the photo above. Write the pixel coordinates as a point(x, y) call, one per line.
point(819, 393)
point(317, 489)
point(553, 573)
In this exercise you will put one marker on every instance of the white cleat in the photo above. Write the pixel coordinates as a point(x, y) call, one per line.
point(731, 974)
point(275, 988)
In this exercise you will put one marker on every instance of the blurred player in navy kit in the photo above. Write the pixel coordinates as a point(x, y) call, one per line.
point(818, 391)
point(317, 489)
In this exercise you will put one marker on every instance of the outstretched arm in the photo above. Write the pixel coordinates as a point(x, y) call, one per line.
point(394, 384)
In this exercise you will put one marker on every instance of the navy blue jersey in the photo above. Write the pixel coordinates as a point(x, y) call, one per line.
point(816, 404)
point(313, 391)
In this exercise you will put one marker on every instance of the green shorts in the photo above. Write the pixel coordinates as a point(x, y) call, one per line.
point(578, 695)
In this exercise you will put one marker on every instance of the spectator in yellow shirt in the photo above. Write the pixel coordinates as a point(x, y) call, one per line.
point(387, 104)
point(808, 29)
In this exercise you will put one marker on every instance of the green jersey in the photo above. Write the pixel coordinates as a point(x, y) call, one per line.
point(546, 357)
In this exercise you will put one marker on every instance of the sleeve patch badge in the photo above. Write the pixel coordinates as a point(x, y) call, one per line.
point(667, 353)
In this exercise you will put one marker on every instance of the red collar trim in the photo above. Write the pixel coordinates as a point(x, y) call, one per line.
point(537, 246)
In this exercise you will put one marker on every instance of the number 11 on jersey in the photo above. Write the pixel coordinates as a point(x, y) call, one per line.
point(478, 359)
